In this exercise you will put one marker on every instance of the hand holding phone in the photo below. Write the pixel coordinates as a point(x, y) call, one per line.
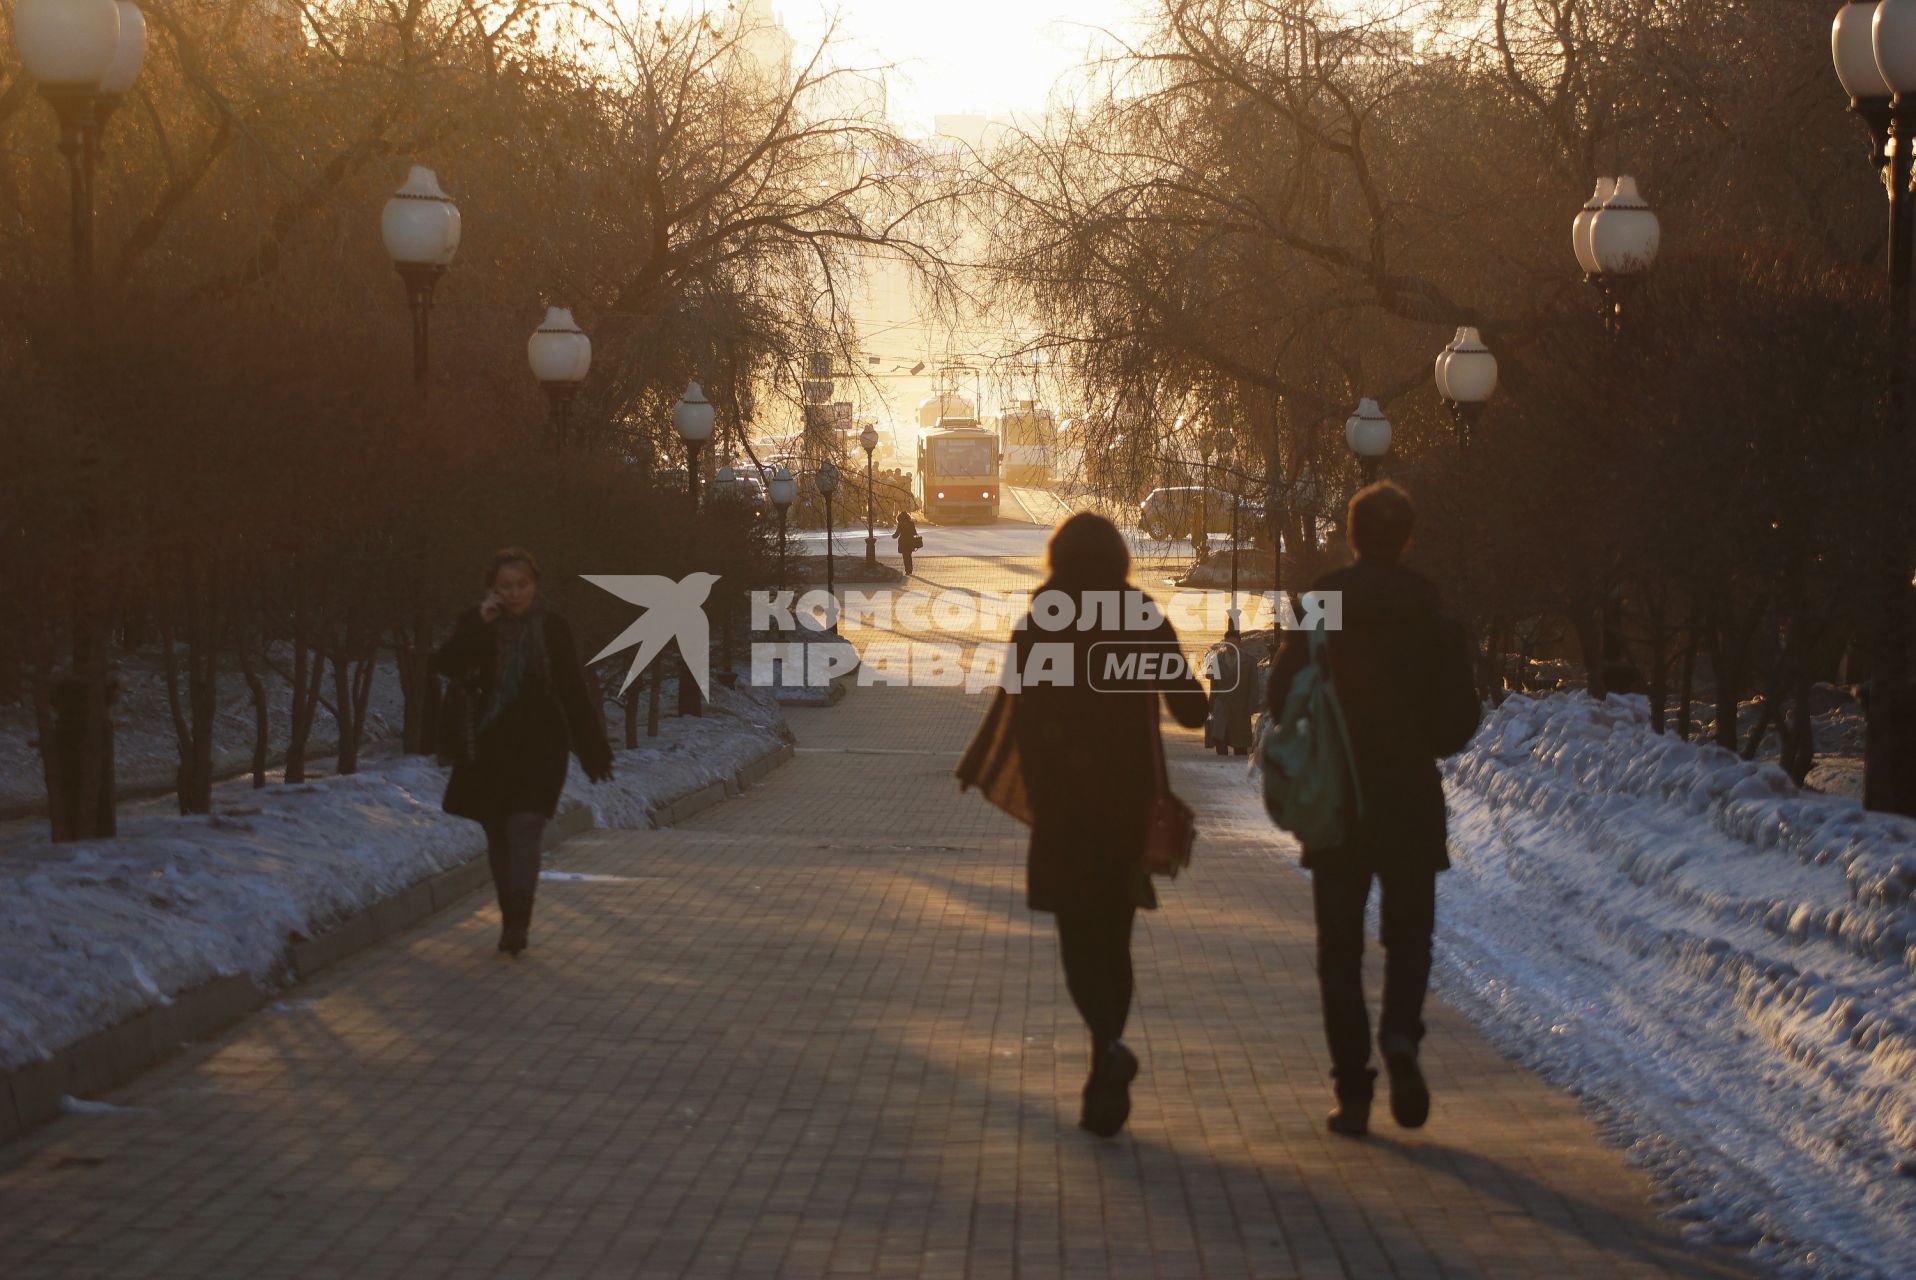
point(491, 606)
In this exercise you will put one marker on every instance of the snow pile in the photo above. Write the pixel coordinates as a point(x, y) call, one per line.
point(93, 933)
point(1722, 965)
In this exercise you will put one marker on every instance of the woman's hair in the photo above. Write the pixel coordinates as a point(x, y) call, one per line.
point(511, 555)
point(1087, 551)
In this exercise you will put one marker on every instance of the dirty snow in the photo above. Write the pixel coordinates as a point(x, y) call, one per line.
point(1723, 966)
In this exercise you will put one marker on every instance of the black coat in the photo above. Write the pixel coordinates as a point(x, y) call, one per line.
point(1395, 664)
point(520, 766)
point(1086, 758)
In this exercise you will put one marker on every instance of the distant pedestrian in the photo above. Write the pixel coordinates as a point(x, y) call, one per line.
point(1081, 765)
point(528, 700)
point(1227, 727)
point(908, 540)
point(1200, 534)
point(1403, 676)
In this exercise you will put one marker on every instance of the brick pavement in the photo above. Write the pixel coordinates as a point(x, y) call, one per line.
point(814, 1032)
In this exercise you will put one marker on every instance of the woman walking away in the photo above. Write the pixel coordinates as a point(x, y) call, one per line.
point(1077, 754)
point(908, 540)
point(530, 701)
point(1228, 727)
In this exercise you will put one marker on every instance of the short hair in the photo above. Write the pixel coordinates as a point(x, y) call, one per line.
point(1088, 551)
point(507, 556)
point(1379, 521)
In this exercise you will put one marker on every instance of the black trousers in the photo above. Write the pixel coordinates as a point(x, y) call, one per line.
point(1095, 945)
point(1407, 915)
point(512, 851)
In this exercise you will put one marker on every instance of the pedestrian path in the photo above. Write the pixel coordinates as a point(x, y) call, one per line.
point(811, 1032)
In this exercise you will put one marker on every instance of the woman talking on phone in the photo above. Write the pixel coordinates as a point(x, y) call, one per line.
point(529, 705)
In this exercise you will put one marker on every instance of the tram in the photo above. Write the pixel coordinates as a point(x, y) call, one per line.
point(1030, 442)
point(959, 473)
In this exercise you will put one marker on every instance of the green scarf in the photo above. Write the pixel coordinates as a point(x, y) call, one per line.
point(519, 651)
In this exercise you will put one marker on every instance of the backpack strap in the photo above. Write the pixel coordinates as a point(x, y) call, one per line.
point(1320, 642)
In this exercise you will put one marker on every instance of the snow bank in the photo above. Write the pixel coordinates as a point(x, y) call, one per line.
point(1722, 965)
point(93, 933)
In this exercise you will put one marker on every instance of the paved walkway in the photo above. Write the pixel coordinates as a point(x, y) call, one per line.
point(815, 1032)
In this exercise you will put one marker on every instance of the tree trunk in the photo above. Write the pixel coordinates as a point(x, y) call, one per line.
point(262, 723)
point(1659, 655)
point(1588, 623)
point(655, 682)
point(308, 670)
point(1686, 683)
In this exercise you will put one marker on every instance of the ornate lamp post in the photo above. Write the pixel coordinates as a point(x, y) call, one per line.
point(1616, 243)
point(783, 490)
point(83, 55)
point(868, 440)
point(1466, 377)
point(1226, 441)
point(694, 418)
point(1874, 49)
point(560, 354)
point(1367, 432)
point(420, 225)
point(827, 482)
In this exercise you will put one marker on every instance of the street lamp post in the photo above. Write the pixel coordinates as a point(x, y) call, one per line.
point(827, 481)
point(1874, 49)
point(1466, 377)
point(1226, 445)
point(1367, 432)
point(693, 417)
point(1615, 239)
point(560, 354)
point(783, 490)
point(83, 55)
point(420, 228)
point(868, 440)
point(420, 225)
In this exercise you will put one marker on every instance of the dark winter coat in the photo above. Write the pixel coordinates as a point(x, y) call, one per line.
point(1232, 699)
point(1088, 773)
point(1396, 665)
point(520, 765)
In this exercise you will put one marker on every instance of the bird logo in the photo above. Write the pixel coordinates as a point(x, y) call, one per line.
point(674, 610)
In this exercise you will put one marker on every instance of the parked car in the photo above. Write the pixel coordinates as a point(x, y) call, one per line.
point(1167, 514)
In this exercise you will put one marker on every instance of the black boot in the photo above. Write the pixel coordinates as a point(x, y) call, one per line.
point(518, 922)
point(1351, 1116)
point(1409, 1095)
point(1107, 1094)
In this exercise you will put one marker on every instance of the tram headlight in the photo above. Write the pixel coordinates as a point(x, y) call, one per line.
point(941, 493)
point(985, 494)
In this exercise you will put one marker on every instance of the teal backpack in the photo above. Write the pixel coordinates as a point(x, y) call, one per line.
point(1304, 757)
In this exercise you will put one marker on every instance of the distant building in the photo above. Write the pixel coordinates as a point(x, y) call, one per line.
point(763, 41)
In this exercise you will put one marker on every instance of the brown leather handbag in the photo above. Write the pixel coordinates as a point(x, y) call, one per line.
point(1170, 825)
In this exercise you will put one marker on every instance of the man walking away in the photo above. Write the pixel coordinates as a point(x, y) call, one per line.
point(1403, 675)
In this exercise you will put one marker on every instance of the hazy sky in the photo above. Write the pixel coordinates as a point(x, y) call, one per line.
point(956, 56)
